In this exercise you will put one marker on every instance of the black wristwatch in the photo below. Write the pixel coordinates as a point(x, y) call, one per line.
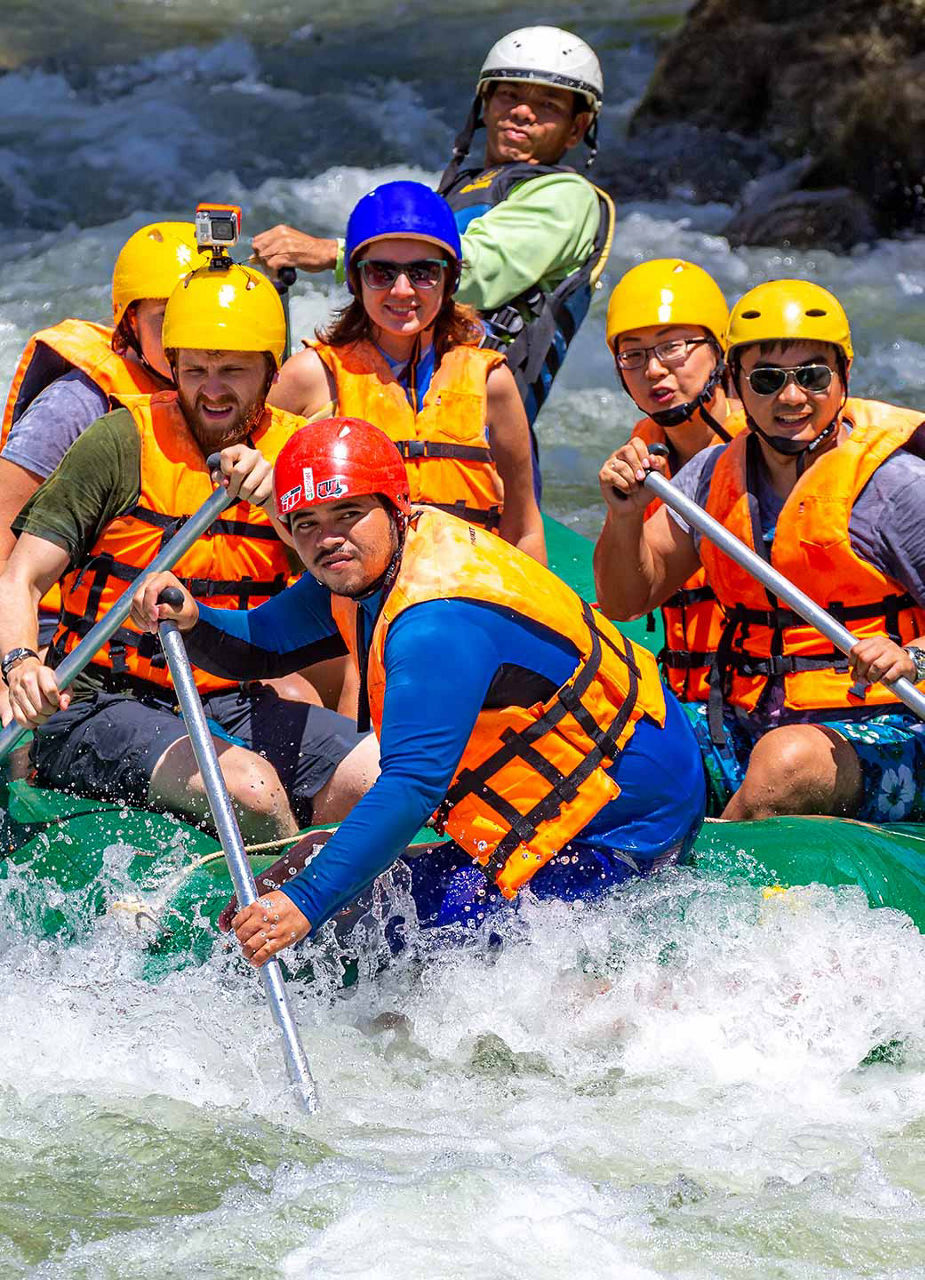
point(16, 655)
point(918, 657)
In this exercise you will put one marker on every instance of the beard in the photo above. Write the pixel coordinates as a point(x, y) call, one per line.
point(211, 437)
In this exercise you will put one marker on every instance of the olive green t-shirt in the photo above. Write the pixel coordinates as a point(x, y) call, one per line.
point(97, 480)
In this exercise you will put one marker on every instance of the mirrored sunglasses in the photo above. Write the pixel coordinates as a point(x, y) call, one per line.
point(425, 273)
point(815, 378)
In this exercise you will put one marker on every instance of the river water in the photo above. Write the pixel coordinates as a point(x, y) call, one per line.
point(675, 1084)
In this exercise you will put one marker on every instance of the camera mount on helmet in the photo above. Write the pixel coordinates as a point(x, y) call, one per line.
point(218, 227)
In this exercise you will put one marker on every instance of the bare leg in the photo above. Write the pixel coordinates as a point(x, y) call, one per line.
point(800, 768)
point(256, 792)
point(327, 678)
point(352, 778)
point(350, 692)
point(296, 688)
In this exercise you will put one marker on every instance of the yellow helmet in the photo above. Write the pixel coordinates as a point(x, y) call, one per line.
point(789, 309)
point(226, 309)
point(151, 262)
point(666, 291)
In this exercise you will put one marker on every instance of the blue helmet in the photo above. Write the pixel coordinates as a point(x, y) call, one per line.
point(402, 210)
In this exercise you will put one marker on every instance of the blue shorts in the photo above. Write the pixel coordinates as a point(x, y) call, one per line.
point(890, 748)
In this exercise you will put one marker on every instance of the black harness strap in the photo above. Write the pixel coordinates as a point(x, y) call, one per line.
point(226, 528)
point(489, 518)
point(685, 659)
point(418, 449)
point(685, 596)
point(520, 745)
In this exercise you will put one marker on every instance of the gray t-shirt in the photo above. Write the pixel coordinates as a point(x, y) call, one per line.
point(887, 526)
point(55, 418)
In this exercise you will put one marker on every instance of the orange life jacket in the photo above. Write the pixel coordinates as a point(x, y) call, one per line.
point(530, 778)
point(445, 447)
point(239, 562)
point(812, 547)
point(49, 354)
point(73, 344)
point(693, 619)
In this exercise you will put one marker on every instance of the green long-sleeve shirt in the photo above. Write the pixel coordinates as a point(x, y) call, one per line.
point(541, 233)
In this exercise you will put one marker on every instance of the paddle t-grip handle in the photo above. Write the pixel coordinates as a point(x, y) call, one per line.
point(172, 596)
point(660, 451)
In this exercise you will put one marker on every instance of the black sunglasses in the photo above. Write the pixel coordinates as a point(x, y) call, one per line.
point(815, 378)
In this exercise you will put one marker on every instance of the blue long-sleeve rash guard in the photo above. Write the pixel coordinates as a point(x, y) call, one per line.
point(444, 659)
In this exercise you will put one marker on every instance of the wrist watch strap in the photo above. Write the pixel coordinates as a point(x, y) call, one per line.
point(10, 659)
point(918, 657)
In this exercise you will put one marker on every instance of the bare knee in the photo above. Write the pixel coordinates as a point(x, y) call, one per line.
point(257, 793)
point(798, 769)
point(349, 782)
point(253, 784)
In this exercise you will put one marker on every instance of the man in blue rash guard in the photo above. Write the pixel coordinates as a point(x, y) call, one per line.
point(544, 738)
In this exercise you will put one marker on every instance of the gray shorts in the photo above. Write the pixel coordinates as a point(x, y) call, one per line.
point(108, 746)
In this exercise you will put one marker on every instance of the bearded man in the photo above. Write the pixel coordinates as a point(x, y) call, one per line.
point(125, 486)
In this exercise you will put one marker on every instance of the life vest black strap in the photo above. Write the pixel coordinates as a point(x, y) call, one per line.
point(888, 608)
point(224, 528)
point(414, 450)
point(487, 518)
point(521, 745)
point(686, 596)
point(685, 659)
point(535, 329)
point(105, 567)
point(786, 664)
point(120, 642)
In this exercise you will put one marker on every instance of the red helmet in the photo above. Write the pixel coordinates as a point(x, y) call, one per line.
point(338, 458)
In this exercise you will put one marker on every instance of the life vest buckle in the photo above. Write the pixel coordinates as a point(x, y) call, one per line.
point(439, 818)
point(412, 448)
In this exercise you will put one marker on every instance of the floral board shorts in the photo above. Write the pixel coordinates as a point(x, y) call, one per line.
point(890, 747)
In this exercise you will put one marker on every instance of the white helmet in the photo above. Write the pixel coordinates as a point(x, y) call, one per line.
point(546, 55)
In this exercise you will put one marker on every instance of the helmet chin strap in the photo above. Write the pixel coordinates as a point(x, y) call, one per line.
point(463, 142)
point(461, 145)
point(134, 343)
point(590, 141)
point(390, 573)
point(787, 448)
point(700, 405)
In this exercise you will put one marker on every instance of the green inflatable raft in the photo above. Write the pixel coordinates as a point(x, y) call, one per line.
point(67, 861)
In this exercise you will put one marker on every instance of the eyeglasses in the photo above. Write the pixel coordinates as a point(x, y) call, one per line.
point(814, 378)
point(425, 273)
point(674, 351)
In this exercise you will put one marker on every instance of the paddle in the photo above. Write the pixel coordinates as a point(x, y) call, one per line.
point(107, 626)
point(283, 281)
point(229, 835)
point(769, 577)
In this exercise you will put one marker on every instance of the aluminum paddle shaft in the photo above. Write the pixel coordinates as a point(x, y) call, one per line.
point(104, 630)
point(798, 601)
point(229, 834)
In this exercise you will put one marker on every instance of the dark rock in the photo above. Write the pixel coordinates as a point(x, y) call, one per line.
point(699, 164)
point(836, 219)
point(842, 81)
